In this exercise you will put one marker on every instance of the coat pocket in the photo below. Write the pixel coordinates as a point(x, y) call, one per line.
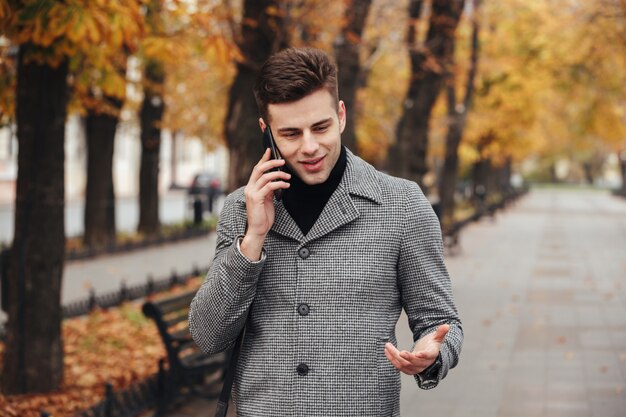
point(388, 382)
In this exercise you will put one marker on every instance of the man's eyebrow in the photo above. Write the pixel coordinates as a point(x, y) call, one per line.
point(288, 130)
point(321, 122)
point(297, 130)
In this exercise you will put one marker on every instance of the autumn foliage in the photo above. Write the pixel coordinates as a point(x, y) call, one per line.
point(119, 346)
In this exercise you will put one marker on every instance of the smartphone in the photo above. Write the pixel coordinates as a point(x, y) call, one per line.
point(268, 142)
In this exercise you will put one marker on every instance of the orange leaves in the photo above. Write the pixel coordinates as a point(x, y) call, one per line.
point(550, 82)
point(65, 29)
point(119, 346)
point(160, 47)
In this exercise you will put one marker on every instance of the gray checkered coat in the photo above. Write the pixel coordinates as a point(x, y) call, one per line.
point(322, 306)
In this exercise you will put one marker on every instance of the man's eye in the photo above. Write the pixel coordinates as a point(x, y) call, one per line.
point(290, 135)
point(321, 128)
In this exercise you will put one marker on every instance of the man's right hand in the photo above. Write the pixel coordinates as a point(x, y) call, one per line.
point(259, 193)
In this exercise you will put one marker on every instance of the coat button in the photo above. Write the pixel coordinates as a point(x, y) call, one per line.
point(304, 252)
point(302, 369)
point(303, 309)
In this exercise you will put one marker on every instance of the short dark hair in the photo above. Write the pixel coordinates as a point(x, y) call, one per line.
point(292, 74)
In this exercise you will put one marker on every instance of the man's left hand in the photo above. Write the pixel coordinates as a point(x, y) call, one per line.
point(424, 354)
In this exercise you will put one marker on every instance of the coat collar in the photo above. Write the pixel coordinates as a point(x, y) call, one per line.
point(359, 179)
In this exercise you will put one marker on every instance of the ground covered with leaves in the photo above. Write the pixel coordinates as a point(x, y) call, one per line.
point(119, 346)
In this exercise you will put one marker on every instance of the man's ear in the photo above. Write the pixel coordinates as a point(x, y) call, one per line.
point(341, 114)
point(262, 124)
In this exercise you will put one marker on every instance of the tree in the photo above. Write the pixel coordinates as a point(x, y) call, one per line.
point(99, 219)
point(407, 157)
point(100, 92)
point(262, 33)
point(150, 116)
point(347, 51)
point(457, 116)
point(510, 88)
point(199, 64)
point(553, 87)
point(33, 360)
point(50, 35)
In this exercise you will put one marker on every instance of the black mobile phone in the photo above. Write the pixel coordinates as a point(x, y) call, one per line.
point(268, 142)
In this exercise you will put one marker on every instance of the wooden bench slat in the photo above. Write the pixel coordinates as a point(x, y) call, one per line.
point(175, 303)
point(186, 360)
point(198, 359)
point(182, 335)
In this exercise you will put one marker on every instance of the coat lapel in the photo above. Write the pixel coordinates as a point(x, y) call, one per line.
point(359, 179)
point(284, 224)
point(339, 210)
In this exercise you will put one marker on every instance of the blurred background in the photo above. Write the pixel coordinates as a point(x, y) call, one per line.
point(123, 123)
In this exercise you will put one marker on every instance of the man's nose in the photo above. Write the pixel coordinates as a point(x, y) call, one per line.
point(309, 143)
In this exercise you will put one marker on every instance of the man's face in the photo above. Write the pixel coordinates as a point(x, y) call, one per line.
point(308, 134)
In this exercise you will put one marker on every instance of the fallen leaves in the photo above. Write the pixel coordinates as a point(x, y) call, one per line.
point(118, 346)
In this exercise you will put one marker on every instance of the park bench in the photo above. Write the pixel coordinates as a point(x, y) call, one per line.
point(189, 369)
point(451, 234)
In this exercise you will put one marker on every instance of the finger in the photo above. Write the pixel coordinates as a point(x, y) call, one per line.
point(394, 360)
point(395, 354)
point(272, 176)
point(441, 332)
point(265, 164)
point(404, 366)
point(255, 171)
point(271, 165)
point(419, 358)
point(270, 187)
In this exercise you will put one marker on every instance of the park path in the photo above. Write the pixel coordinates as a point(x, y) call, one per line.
point(542, 294)
point(541, 290)
point(106, 273)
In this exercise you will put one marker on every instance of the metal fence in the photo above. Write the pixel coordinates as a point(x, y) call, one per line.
point(124, 294)
point(129, 402)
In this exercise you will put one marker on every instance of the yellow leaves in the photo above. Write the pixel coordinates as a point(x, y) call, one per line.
point(114, 85)
point(78, 26)
point(158, 47)
point(105, 346)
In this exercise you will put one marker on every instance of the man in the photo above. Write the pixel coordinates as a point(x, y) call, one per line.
point(320, 276)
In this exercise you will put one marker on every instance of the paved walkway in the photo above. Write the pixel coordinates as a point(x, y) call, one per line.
point(106, 273)
point(542, 294)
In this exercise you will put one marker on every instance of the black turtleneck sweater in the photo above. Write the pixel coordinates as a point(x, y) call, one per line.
point(305, 202)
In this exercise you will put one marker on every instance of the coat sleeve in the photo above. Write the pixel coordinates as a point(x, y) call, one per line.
point(219, 310)
point(425, 284)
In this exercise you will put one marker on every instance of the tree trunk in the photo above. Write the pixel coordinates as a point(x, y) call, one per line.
point(262, 35)
point(450, 168)
point(407, 157)
point(622, 164)
point(174, 160)
point(505, 178)
point(457, 115)
point(150, 117)
point(33, 359)
point(588, 171)
point(349, 65)
point(100, 194)
point(480, 173)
